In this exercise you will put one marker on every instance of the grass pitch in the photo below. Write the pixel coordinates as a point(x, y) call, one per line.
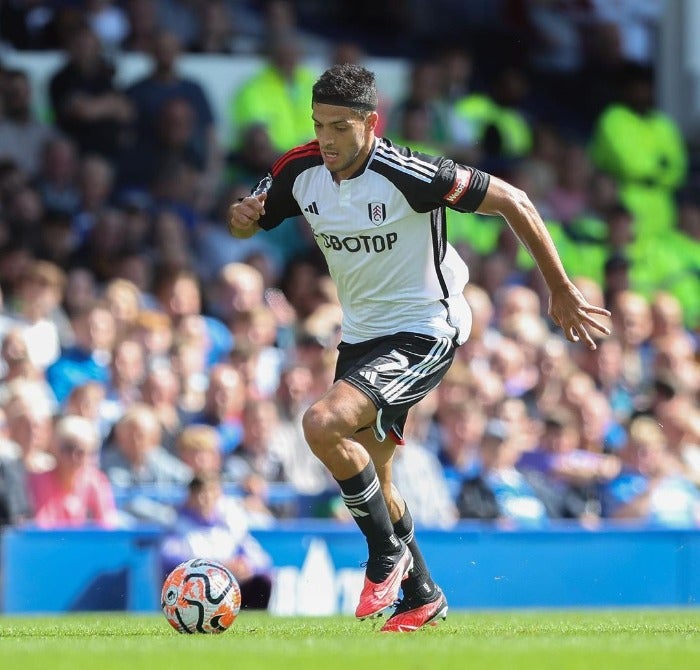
point(592, 640)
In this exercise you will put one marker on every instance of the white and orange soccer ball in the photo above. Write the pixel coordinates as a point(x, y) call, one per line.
point(200, 596)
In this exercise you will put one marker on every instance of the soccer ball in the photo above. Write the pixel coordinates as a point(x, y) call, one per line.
point(200, 596)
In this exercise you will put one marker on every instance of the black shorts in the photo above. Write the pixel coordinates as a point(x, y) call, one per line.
point(395, 371)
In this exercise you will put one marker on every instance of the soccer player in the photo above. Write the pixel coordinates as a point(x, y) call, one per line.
point(378, 213)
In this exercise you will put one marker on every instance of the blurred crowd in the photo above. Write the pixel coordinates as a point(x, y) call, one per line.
point(154, 369)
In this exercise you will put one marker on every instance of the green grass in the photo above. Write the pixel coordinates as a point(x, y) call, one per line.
point(591, 640)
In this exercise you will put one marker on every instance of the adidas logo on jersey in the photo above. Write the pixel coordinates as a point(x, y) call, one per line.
point(312, 208)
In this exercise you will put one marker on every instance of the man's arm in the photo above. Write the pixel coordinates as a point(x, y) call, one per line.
point(567, 307)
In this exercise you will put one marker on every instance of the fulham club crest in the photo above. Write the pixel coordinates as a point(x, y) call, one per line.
point(377, 212)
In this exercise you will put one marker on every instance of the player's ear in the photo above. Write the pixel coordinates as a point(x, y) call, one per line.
point(372, 120)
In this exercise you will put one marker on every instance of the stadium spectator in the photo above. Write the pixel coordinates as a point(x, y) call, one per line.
point(218, 31)
point(57, 179)
point(104, 242)
point(81, 290)
point(164, 84)
point(29, 423)
point(17, 364)
point(124, 300)
point(142, 17)
point(161, 390)
point(600, 431)
point(212, 525)
point(566, 478)
point(48, 210)
point(86, 103)
point(278, 95)
point(38, 299)
point(179, 295)
point(15, 504)
point(424, 97)
point(315, 350)
point(170, 240)
point(135, 456)
point(509, 361)
point(22, 136)
point(257, 357)
point(85, 401)
point(225, 400)
point(174, 140)
point(568, 197)
point(652, 486)
point(499, 491)
point(74, 492)
point(260, 453)
point(238, 289)
point(419, 473)
point(189, 361)
point(96, 182)
point(647, 172)
point(631, 316)
point(127, 371)
point(90, 357)
point(254, 152)
point(684, 243)
point(24, 215)
point(462, 427)
point(154, 330)
point(499, 118)
point(555, 366)
point(198, 447)
point(477, 350)
point(294, 395)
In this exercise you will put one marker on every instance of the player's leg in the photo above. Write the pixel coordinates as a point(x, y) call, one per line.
point(423, 601)
point(329, 427)
point(376, 383)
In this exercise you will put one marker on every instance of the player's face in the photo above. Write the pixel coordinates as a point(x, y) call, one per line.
point(345, 137)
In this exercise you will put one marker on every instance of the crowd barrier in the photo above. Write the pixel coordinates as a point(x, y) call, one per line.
point(318, 568)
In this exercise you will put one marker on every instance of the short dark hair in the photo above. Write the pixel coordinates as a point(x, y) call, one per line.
point(347, 85)
point(202, 479)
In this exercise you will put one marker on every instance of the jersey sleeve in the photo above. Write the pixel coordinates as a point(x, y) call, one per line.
point(457, 186)
point(279, 184)
point(429, 181)
point(280, 203)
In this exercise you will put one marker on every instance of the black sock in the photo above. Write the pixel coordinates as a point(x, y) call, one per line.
point(419, 583)
point(363, 497)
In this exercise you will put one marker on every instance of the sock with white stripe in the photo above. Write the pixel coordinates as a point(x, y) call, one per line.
point(363, 497)
point(419, 583)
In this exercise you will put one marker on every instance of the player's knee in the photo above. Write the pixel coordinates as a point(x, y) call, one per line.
point(320, 428)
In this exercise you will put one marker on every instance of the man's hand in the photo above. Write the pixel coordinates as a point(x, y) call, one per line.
point(243, 216)
point(572, 313)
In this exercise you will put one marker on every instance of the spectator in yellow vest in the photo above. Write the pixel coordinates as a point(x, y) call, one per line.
point(644, 150)
point(500, 113)
point(278, 95)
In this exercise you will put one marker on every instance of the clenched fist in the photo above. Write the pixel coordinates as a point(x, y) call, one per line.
point(243, 216)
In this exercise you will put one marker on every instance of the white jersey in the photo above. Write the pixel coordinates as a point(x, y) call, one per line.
point(383, 234)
